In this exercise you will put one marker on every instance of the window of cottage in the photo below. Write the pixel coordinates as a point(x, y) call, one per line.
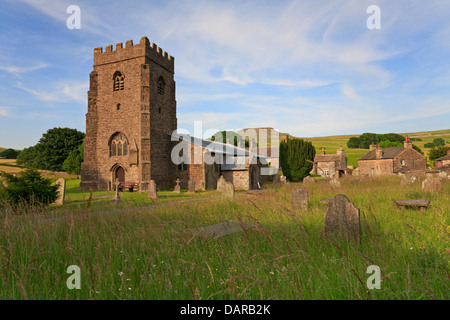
point(402, 162)
point(119, 81)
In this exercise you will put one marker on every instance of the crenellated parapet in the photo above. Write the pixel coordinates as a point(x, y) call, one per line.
point(130, 51)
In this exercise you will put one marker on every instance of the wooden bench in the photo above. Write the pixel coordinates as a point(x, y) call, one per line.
point(405, 203)
point(131, 186)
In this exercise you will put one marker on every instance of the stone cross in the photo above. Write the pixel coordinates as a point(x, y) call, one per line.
point(61, 183)
point(191, 186)
point(299, 199)
point(342, 219)
point(177, 188)
point(152, 191)
point(117, 198)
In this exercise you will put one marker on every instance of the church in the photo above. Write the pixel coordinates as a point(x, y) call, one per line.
point(131, 125)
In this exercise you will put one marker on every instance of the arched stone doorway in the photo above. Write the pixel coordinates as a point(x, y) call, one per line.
point(118, 172)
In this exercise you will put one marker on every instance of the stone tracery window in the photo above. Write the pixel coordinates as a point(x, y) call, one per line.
point(119, 145)
point(119, 81)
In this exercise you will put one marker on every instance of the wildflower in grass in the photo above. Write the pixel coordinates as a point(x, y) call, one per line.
point(120, 273)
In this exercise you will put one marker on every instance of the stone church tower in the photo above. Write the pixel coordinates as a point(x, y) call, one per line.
point(131, 114)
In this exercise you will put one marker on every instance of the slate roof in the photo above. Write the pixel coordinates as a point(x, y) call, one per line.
point(388, 153)
point(235, 158)
point(446, 157)
point(326, 158)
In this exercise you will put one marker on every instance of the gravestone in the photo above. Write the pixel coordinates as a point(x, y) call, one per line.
point(335, 183)
point(276, 179)
point(226, 187)
point(407, 180)
point(61, 183)
point(342, 219)
point(299, 199)
point(152, 191)
point(431, 185)
point(117, 198)
point(308, 179)
point(177, 188)
point(442, 174)
point(191, 186)
point(283, 179)
point(223, 229)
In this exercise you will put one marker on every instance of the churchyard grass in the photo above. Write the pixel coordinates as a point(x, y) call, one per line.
point(151, 253)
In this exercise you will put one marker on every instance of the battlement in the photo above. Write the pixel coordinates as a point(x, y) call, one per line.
point(142, 48)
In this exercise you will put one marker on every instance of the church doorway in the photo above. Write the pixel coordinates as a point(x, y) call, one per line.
point(120, 174)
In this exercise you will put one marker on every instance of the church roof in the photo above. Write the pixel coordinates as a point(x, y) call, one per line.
point(388, 153)
point(214, 146)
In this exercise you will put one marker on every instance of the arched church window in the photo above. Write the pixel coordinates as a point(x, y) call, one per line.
point(160, 85)
point(119, 81)
point(119, 145)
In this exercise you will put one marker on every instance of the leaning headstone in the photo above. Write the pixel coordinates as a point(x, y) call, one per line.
point(223, 229)
point(152, 191)
point(226, 187)
point(282, 179)
point(117, 198)
point(61, 183)
point(308, 179)
point(191, 186)
point(342, 219)
point(334, 182)
point(431, 185)
point(299, 199)
point(177, 188)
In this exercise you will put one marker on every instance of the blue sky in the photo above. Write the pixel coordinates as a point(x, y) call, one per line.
point(310, 68)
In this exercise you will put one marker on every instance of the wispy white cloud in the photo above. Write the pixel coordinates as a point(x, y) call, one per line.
point(63, 92)
point(21, 69)
point(6, 112)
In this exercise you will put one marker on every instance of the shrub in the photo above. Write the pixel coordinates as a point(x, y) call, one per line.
point(438, 142)
point(429, 145)
point(9, 154)
point(30, 187)
point(293, 158)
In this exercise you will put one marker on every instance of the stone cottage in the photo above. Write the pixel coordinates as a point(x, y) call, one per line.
point(383, 161)
point(330, 165)
point(443, 161)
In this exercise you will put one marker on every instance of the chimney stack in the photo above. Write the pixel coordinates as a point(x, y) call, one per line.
point(286, 138)
point(408, 143)
point(323, 151)
point(379, 152)
point(372, 146)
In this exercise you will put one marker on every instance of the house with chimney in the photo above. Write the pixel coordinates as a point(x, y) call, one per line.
point(330, 165)
point(443, 161)
point(384, 161)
